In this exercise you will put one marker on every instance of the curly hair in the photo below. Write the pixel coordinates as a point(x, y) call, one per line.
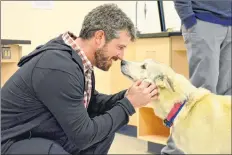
point(109, 18)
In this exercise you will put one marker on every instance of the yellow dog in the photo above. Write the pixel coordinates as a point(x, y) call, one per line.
point(200, 121)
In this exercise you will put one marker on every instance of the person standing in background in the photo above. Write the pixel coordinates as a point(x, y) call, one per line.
point(206, 29)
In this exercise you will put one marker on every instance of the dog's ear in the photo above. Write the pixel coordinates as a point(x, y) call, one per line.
point(168, 83)
point(164, 82)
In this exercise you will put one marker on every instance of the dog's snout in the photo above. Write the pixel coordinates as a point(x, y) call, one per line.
point(123, 62)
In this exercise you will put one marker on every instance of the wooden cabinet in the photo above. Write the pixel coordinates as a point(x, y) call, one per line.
point(179, 58)
point(119, 81)
point(165, 48)
point(153, 48)
point(150, 127)
point(11, 52)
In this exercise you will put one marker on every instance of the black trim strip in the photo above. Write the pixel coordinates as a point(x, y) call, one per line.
point(128, 130)
point(159, 35)
point(161, 15)
point(10, 41)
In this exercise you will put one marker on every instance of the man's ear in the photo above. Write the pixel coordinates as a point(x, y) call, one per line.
point(164, 82)
point(100, 38)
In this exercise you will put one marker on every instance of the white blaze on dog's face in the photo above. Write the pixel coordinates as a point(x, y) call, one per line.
point(139, 70)
point(148, 69)
point(158, 73)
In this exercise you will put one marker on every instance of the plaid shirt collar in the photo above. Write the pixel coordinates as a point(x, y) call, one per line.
point(69, 39)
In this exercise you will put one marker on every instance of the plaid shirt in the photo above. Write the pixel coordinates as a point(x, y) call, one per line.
point(69, 38)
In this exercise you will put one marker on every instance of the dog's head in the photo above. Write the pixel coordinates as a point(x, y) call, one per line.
point(163, 76)
point(152, 71)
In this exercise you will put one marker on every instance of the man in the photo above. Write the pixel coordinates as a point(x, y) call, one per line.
point(206, 28)
point(50, 105)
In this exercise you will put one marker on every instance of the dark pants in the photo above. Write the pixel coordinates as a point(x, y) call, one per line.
point(44, 146)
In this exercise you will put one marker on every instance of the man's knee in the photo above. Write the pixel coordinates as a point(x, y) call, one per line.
point(36, 146)
point(104, 146)
point(101, 147)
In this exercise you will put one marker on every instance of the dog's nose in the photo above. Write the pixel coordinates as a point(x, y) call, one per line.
point(123, 62)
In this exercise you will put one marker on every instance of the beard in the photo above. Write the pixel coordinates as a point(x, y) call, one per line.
point(102, 61)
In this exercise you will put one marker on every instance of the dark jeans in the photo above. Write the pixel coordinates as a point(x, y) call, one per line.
point(45, 146)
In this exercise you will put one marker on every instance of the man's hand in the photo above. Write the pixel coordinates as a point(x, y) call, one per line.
point(141, 93)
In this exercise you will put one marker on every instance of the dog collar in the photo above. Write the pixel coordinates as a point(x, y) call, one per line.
point(168, 121)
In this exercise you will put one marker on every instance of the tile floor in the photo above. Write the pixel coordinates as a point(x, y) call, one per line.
point(128, 145)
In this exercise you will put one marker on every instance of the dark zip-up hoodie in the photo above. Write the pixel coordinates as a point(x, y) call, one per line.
point(44, 98)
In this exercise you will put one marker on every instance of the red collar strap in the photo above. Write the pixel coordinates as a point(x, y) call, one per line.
point(173, 113)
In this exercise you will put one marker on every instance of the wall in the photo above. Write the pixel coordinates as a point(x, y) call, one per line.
point(19, 20)
point(172, 19)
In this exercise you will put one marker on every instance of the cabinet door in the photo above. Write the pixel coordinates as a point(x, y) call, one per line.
point(153, 48)
point(118, 80)
point(179, 56)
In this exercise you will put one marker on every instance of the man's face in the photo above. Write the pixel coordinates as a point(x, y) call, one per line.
point(111, 51)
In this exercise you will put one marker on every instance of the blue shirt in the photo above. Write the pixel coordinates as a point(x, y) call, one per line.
point(213, 11)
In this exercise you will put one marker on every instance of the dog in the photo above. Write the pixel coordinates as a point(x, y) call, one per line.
point(200, 121)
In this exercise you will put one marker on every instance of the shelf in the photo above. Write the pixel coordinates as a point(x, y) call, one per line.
point(150, 127)
point(8, 61)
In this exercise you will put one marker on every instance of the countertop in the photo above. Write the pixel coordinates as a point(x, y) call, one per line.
point(159, 35)
point(144, 35)
point(13, 41)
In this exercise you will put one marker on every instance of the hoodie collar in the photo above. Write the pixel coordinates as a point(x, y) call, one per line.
point(54, 44)
point(69, 39)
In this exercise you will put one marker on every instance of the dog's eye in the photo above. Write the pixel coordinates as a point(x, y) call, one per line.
point(143, 66)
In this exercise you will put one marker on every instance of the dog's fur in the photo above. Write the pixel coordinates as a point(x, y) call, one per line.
point(203, 126)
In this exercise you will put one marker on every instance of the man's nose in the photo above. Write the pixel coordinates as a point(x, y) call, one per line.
point(121, 55)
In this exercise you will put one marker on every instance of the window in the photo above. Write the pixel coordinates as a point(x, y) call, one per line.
point(42, 4)
point(148, 17)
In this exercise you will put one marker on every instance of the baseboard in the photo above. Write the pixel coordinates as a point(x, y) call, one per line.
point(128, 130)
point(131, 130)
point(154, 148)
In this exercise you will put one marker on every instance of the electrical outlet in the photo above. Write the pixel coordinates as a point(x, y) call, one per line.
point(6, 52)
